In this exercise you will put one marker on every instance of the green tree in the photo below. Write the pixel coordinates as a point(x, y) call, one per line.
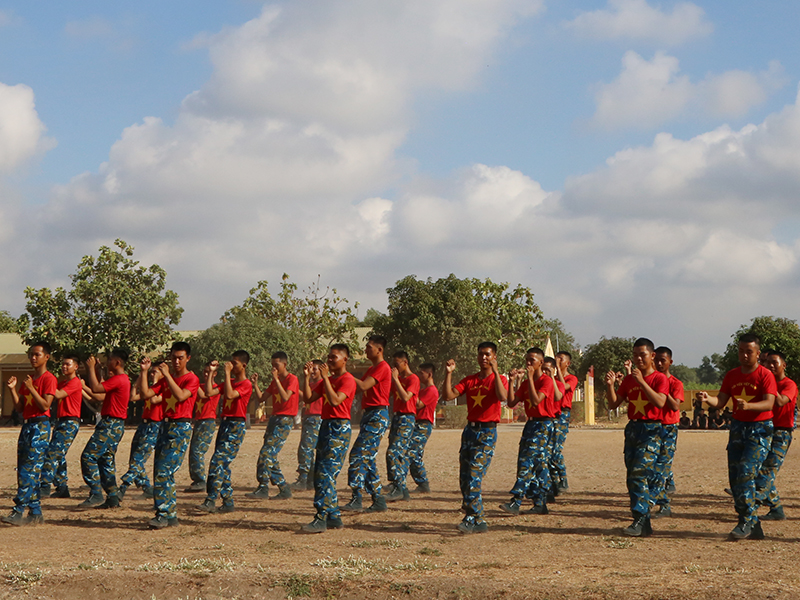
point(685, 374)
point(302, 325)
point(776, 333)
point(8, 324)
point(709, 370)
point(607, 354)
point(561, 338)
point(113, 301)
point(447, 318)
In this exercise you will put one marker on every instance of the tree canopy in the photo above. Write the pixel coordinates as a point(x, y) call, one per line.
point(777, 333)
point(8, 324)
point(447, 318)
point(113, 302)
point(607, 354)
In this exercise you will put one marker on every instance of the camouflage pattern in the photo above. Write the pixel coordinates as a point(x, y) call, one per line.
point(173, 440)
point(748, 447)
point(202, 436)
point(642, 448)
point(268, 469)
point(416, 451)
point(663, 467)
point(558, 466)
point(363, 471)
point(97, 459)
point(308, 443)
point(397, 462)
point(475, 456)
point(766, 492)
point(144, 440)
point(533, 462)
point(31, 449)
point(332, 444)
point(229, 439)
point(54, 470)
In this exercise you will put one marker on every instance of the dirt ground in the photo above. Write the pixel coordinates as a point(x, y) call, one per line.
point(414, 549)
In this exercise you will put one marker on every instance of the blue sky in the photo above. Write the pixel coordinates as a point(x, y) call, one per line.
point(634, 162)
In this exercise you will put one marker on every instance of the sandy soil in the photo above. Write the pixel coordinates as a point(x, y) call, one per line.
point(414, 550)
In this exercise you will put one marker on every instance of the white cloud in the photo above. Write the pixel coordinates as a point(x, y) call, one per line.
point(649, 93)
point(638, 20)
point(21, 130)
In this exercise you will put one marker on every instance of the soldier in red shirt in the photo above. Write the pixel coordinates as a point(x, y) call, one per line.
point(33, 400)
point(312, 419)
point(203, 428)
point(570, 383)
point(405, 391)
point(423, 426)
point(645, 391)
point(753, 389)
point(669, 434)
point(485, 391)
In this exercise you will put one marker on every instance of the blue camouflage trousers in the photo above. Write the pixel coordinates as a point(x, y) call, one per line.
point(642, 447)
point(173, 439)
point(397, 462)
point(766, 492)
point(748, 446)
point(308, 443)
point(97, 459)
point(144, 440)
point(268, 469)
point(416, 451)
point(669, 443)
point(363, 471)
point(54, 470)
point(202, 436)
point(533, 462)
point(31, 449)
point(332, 444)
point(558, 466)
point(475, 456)
point(229, 439)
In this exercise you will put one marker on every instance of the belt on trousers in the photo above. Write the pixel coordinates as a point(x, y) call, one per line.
point(173, 420)
point(482, 425)
point(371, 408)
point(424, 421)
point(105, 417)
point(234, 419)
point(62, 419)
point(645, 421)
point(540, 419)
point(36, 420)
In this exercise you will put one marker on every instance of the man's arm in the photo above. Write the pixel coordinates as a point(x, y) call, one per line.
point(12, 385)
point(256, 389)
point(611, 391)
point(718, 401)
point(308, 395)
point(499, 388)
point(448, 393)
point(209, 383)
point(366, 384)
point(229, 391)
point(94, 384)
point(513, 382)
point(536, 397)
point(655, 398)
point(282, 392)
point(398, 387)
point(766, 404)
point(335, 398)
point(178, 392)
point(561, 378)
point(43, 402)
point(144, 384)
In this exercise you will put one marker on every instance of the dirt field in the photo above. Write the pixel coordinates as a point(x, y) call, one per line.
point(414, 550)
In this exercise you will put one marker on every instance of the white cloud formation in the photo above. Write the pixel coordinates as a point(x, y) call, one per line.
point(649, 93)
point(638, 20)
point(22, 133)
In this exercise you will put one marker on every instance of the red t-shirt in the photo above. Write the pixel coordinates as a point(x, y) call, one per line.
point(290, 407)
point(118, 394)
point(153, 412)
point(172, 408)
point(669, 416)
point(572, 382)
point(750, 388)
point(344, 383)
point(546, 409)
point(783, 416)
point(411, 386)
point(639, 407)
point(44, 384)
point(483, 405)
point(206, 408)
point(429, 396)
point(315, 408)
point(558, 404)
point(378, 394)
point(70, 406)
point(237, 407)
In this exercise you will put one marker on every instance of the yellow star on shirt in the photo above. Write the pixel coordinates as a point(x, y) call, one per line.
point(28, 400)
point(744, 397)
point(276, 399)
point(199, 404)
point(639, 404)
point(477, 399)
point(171, 402)
point(228, 402)
point(147, 404)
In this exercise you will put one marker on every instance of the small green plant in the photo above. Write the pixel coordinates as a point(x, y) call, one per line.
point(426, 551)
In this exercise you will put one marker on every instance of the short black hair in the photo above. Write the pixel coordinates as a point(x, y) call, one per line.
point(242, 356)
point(280, 355)
point(535, 350)
point(46, 348)
point(120, 353)
point(549, 361)
point(342, 347)
point(750, 338)
point(181, 347)
point(378, 339)
point(664, 350)
point(401, 354)
point(490, 345)
point(647, 343)
point(564, 353)
point(777, 353)
point(428, 366)
point(318, 362)
point(70, 356)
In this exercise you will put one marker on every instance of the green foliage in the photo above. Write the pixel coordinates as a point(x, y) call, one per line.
point(608, 354)
point(561, 338)
point(776, 333)
point(447, 318)
point(711, 370)
point(684, 373)
point(113, 302)
point(8, 324)
point(303, 326)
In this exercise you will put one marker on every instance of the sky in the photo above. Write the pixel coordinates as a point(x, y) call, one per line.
point(635, 163)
